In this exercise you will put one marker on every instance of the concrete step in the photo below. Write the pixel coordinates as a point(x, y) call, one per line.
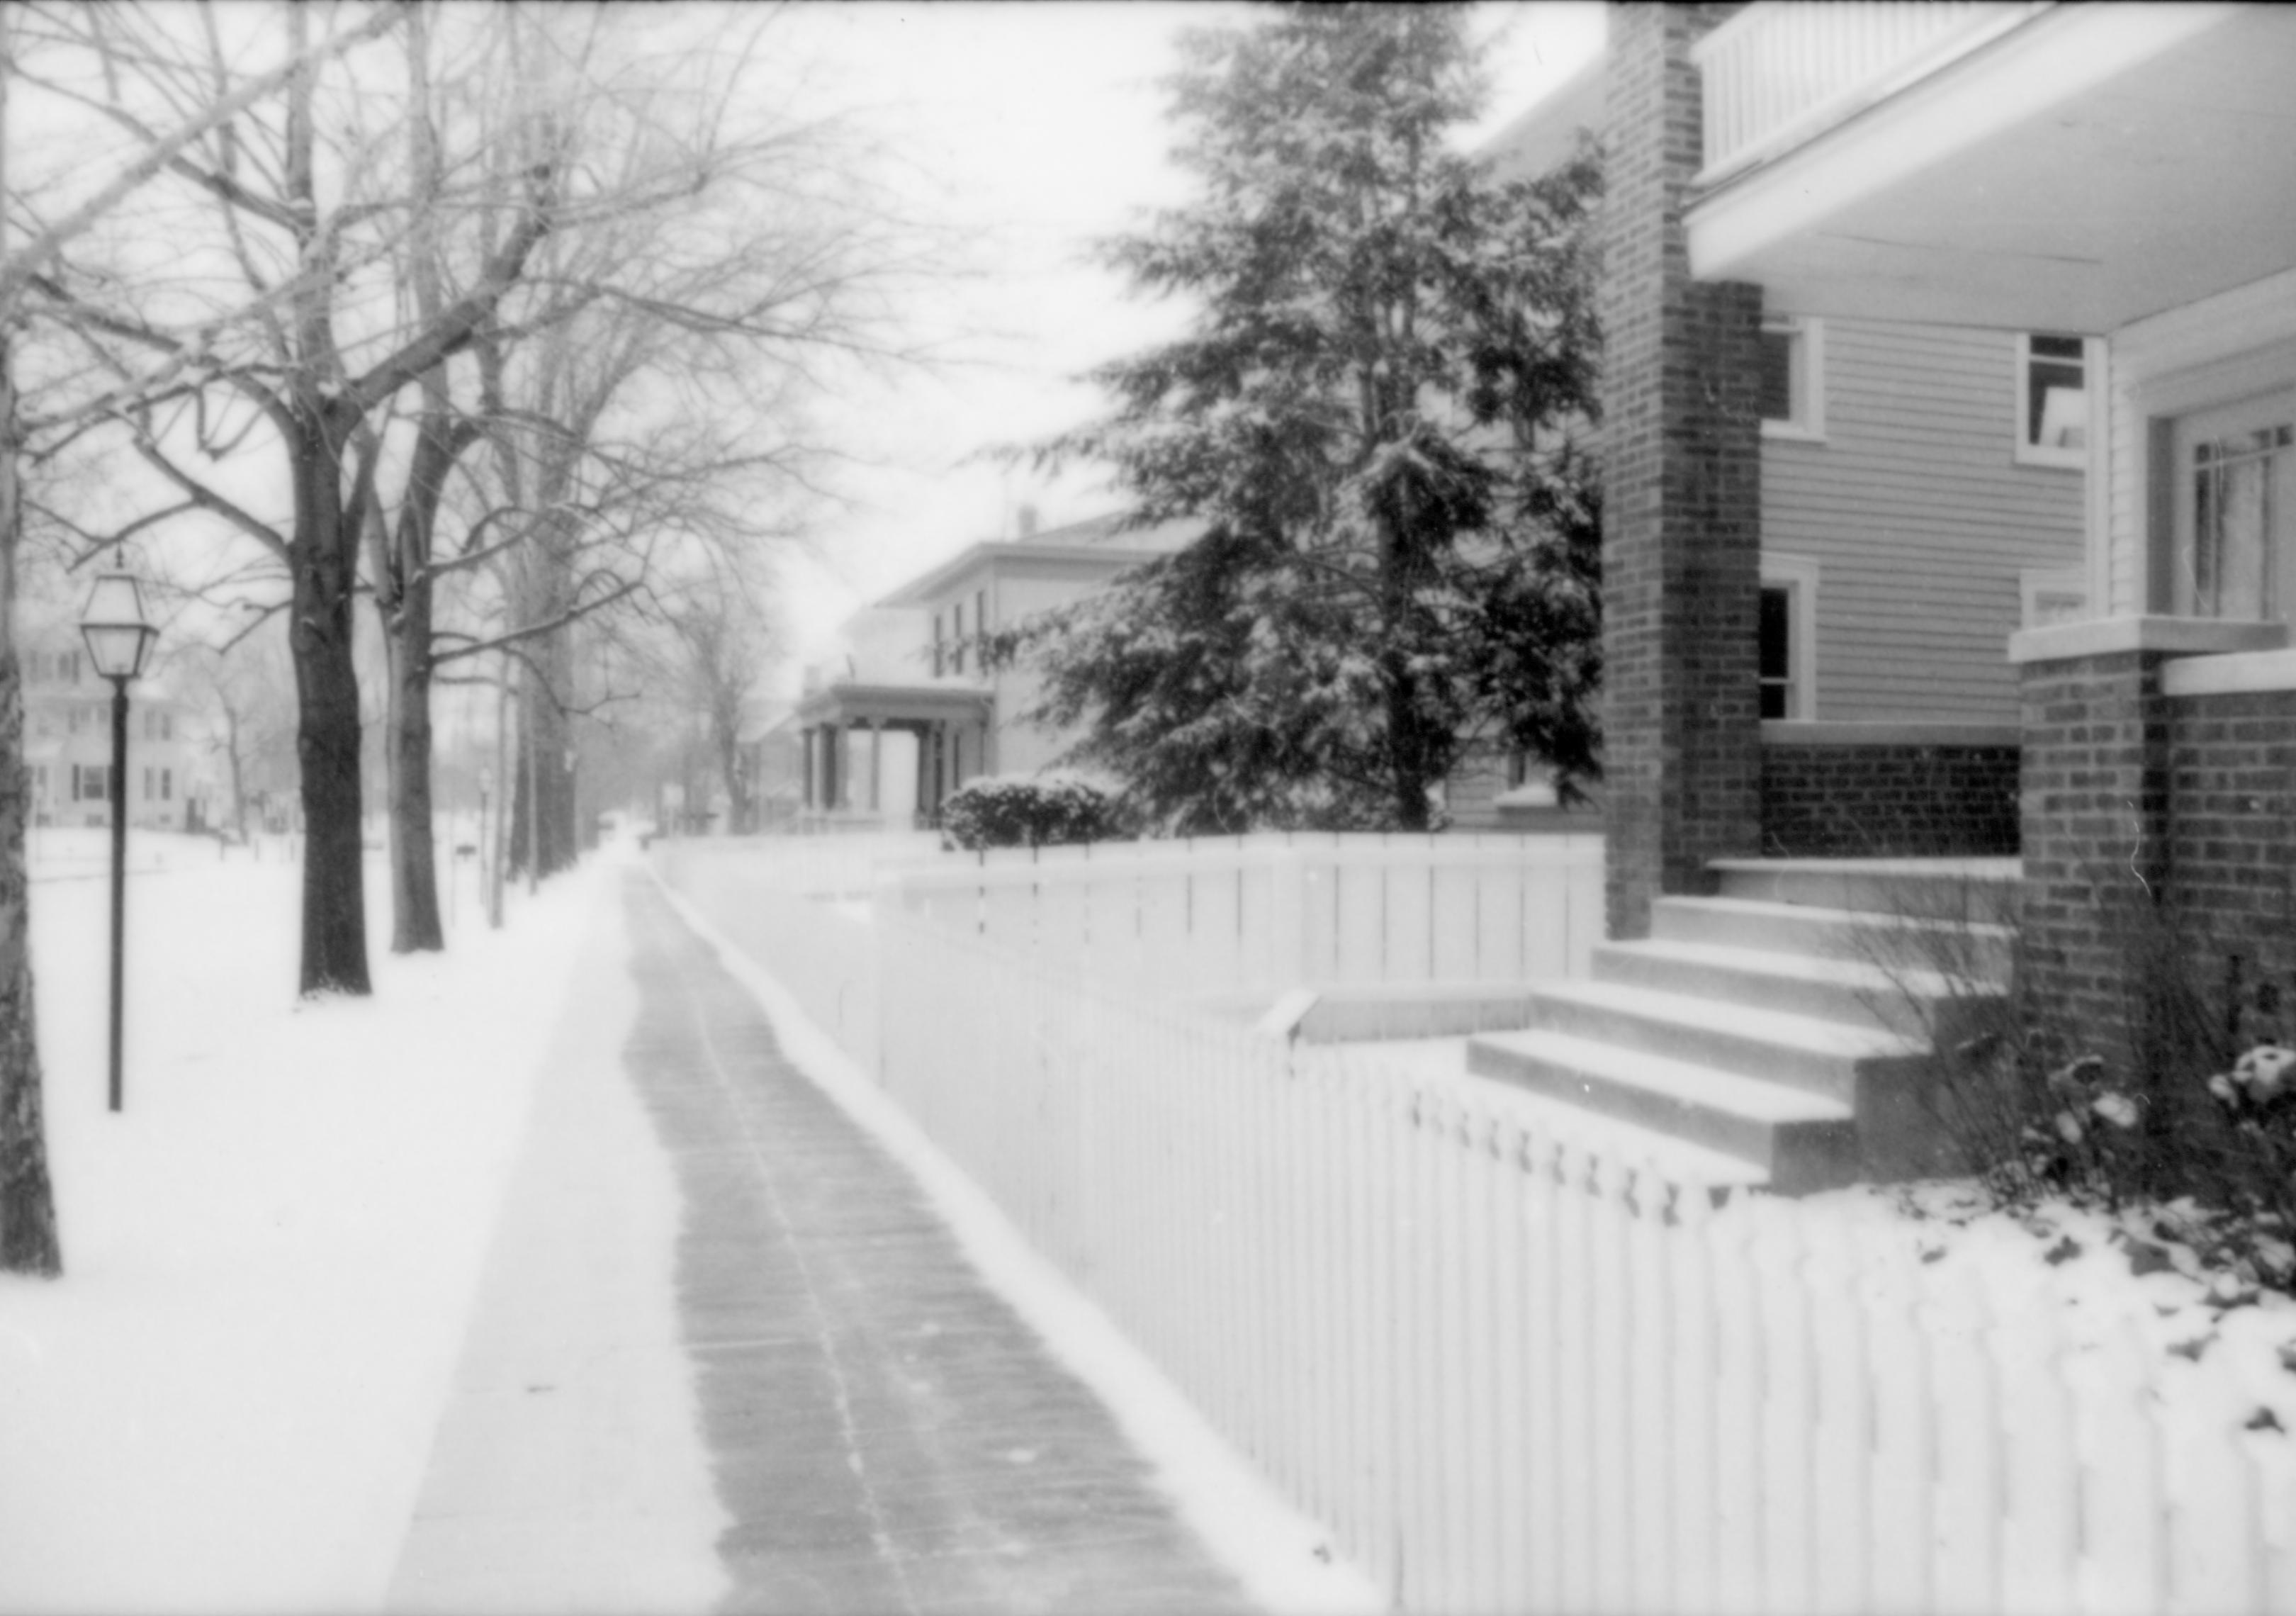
point(1977, 950)
point(1800, 1051)
point(1914, 1002)
point(1959, 889)
point(1802, 1141)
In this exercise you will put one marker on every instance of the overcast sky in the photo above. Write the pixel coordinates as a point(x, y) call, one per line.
point(1040, 127)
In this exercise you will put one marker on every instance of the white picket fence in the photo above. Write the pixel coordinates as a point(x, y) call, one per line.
point(1259, 914)
point(1513, 1375)
point(797, 915)
point(823, 865)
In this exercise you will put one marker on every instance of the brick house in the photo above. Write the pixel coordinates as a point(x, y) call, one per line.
point(2105, 188)
point(1918, 497)
point(2118, 174)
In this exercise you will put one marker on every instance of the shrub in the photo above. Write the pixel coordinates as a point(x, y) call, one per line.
point(1027, 811)
point(2181, 1111)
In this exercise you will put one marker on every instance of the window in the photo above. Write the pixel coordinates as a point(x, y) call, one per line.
point(2233, 480)
point(39, 782)
point(151, 784)
point(166, 785)
point(957, 629)
point(980, 612)
point(1792, 380)
point(88, 783)
point(1787, 638)
point(936, 645)
point(2051, 400)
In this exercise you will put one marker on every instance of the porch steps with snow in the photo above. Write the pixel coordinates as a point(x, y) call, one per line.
point(1784, 1021)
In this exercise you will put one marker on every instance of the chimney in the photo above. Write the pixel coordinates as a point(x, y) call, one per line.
point(1026, 519)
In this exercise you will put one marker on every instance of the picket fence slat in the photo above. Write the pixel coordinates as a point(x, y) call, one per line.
point(1508, 1371)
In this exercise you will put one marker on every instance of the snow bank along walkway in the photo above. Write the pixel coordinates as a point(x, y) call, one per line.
point(882, 1433)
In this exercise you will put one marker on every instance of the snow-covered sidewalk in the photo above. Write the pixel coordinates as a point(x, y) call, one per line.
point(569, 1473)
point(271, 1254)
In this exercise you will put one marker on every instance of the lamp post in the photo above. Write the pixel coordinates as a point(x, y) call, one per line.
point(118, 639)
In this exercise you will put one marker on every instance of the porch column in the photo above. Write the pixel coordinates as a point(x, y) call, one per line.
point(876, 766)
point(1681, 508)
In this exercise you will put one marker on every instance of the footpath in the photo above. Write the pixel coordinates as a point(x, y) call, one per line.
point(750, 1369)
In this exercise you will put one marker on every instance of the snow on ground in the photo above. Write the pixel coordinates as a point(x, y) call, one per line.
point(1283, 1558)
point(270, 1254)
point(2225, 1352)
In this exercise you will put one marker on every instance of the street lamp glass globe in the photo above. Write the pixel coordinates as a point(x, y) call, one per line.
point(118, 635)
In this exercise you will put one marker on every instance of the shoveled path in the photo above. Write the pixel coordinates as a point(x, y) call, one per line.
point(882, 1433)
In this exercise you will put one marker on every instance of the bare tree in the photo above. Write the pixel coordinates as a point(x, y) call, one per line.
point(246, 693)
point(29, 1242)
point(304, 213)
point(638, 393)
point(719, 647)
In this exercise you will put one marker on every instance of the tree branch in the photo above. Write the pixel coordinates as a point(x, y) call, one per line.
point(17, 268)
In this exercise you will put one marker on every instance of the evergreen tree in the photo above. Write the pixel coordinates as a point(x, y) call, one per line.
point(1401, 544)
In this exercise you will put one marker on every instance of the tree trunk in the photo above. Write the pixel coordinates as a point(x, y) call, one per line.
point(541, 766)
point(545, 593)
point(238, 771)
point(414, 923)
point(553, 732)
point(327, 731)
point(29, 1243)
point(737, 801)
point(27, 1209)
point(1407, 754)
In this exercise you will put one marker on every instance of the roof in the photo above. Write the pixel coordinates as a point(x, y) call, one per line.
point(1104, 543)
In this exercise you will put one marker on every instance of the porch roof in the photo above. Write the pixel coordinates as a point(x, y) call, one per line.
point(2082, 167)
point(895, 705)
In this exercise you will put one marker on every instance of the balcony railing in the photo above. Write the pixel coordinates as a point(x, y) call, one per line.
point(1781, 71)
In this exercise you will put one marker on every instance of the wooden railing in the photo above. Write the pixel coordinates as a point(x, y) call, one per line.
point(1781, 71)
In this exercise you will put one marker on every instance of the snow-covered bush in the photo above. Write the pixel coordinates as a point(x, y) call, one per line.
point(1027, 811)
point(2169, 1121)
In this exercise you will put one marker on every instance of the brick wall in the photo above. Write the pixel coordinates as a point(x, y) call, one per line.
point(2094, 801)
point(1682, 509)
point(1888, 799)
point(2232, 852)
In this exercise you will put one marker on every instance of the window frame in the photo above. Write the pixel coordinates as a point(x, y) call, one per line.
point(1806, 378)
point(2161, 402)
point(1798, 575)
point(2025, 453)
point(2276, 585)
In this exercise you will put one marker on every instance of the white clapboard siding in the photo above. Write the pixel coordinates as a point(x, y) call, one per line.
point(1920, 519)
